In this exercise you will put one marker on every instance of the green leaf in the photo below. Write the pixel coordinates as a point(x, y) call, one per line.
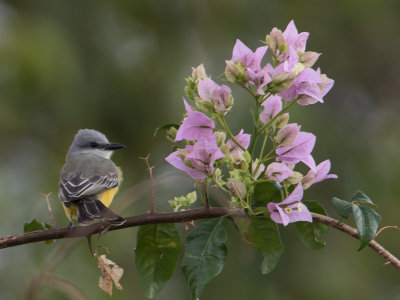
point(266, 192)
point(262, 235)
point(156, 254)
point(165, 127)
point(34, 225)
point(360, 198)
point(367, 222)
point(342, 207)
point(205, 255)
point(310, 233)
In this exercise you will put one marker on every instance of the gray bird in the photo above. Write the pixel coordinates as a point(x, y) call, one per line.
point(89, 179)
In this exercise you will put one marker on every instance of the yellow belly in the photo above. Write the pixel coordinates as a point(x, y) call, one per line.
point(105, 197)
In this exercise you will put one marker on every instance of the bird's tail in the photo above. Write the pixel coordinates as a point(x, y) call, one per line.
point(90, 209)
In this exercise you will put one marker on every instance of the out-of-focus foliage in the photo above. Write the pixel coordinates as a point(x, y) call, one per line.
point(118, 66)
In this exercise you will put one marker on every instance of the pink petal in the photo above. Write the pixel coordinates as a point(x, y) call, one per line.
point(195, 126)
point(272, 106)
point(294, 196)
point(322, 171)
point(177, 162)
point(278, 172)
point(240, 51)
point(277, 214)
point(287, 135)
point(299, 212)
point(206, 88)
point(299, 151)
point(187, 106)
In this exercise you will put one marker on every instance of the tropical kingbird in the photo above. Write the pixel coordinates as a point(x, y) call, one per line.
point(89, 179)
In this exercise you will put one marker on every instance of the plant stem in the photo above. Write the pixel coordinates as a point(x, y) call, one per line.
point(225, 125)
point(278, 115)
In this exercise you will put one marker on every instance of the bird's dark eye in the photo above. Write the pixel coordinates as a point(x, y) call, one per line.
point(93, 144)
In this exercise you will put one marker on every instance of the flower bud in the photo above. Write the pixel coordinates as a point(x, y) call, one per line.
point(238, 159)
point(237, 188)
point(171, 133)
point(218, 173)
point(308, 58)
point(276, 41)
point(282, 120)
point(182, 153)
point(198, 73)
point(220, 138)
point(205, 106)
point(295, 178)
point(183, 201)
point(235, 72)
point(247, 156)
point(281, 82)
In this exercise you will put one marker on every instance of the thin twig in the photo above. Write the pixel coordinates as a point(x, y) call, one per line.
point(46, 196)
point(386, 227)
point(150, 168)
point(389, 257)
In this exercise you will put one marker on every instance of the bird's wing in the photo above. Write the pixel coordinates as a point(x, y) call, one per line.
point(79, 186)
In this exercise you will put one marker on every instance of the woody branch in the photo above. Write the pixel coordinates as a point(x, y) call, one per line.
point(173, 217)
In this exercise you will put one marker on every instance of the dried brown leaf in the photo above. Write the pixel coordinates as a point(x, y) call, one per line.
point(110, 272)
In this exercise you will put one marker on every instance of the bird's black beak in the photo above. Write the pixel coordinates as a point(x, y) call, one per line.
point(114, 146)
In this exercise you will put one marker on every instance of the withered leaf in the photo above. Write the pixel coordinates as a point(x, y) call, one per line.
point(110, 272)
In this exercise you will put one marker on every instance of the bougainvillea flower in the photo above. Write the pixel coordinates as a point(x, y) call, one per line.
point(294, 39)
point(291, 209)
point(287, 134)
point(178, 163)
point(220, 96)
point(325, 86)
point(204, 153)
point(278, 172)
point(318, 174)
point(299, 151)
point(195, 126)
point(309, 83)
point(272, 106)
point(251, 59)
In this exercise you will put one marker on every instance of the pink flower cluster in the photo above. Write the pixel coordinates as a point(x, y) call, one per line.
point(289, 78)
point(293, 65)
point(198, 160)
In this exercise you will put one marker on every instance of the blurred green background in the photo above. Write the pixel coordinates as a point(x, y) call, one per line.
point(119, 67)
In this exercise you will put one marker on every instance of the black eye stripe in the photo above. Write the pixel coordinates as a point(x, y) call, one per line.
point(94, 145)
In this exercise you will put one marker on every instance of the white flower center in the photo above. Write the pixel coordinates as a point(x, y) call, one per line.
point(287, 210)
point(298, 68)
